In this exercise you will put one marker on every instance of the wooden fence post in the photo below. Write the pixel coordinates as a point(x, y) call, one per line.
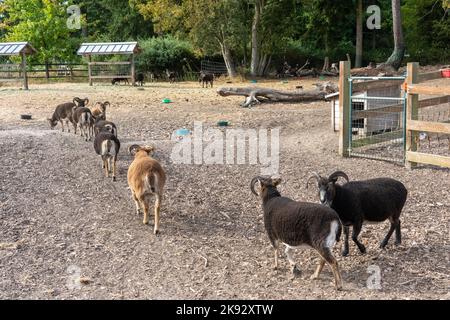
point(412, 111)
point(24, 71)
point(90, 70)
point(133, 71)
point(344, 108)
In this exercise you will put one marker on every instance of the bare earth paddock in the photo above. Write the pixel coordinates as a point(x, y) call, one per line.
point(61, 219)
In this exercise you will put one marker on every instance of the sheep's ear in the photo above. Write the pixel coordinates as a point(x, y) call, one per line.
point(276, 181)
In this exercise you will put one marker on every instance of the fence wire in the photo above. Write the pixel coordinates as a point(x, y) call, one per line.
point(116, 70)
point(378, 128)
point(217, 68)
point(434, 143)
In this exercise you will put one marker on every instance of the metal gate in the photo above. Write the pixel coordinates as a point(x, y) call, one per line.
point(377, 120)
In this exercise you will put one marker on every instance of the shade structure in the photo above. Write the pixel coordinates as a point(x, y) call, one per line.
point(110, 70)
point(105, 48)
point(16, 48)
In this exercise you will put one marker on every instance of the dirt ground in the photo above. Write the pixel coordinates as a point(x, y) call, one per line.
point(62, 221)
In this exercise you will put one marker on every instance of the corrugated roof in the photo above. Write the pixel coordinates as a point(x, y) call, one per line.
point(15, 48)
point(109, 48)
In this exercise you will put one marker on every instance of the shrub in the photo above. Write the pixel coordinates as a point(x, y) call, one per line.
point(159, 54)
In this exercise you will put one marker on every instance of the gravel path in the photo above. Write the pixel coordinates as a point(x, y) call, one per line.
point(62, 221)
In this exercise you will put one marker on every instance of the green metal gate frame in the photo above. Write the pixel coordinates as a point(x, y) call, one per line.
point(401, 100)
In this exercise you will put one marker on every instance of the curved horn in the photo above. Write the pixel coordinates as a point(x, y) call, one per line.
point(252, 185)
point(337, 174)
point(86, 101)
point(148, 149)
point(75, 100)
point(106, 103)
point(133, 149)
point(316, 176)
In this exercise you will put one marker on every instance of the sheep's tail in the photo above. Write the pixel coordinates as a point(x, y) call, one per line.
point(148, 182)
point(334, 235)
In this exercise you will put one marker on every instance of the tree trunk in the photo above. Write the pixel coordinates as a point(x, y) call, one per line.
point(254, 66)
point(326, 64)
point(263, 65)
point(396, 58)
point(253, 94)
point(359, 34)
point(228, 58)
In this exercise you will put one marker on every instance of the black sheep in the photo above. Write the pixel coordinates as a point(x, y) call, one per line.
point(206, 78)
point(356, 202)
point(296, 224)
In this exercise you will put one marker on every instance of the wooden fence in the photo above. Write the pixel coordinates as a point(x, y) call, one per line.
point(415, 88)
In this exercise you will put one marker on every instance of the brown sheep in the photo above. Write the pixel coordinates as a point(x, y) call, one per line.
point(146, 177)
point(100, 109)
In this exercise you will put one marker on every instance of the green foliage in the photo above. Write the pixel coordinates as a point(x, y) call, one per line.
point(118, 20)
point(292, 30)
point(164, 53)
point(427, 30)
point(42, 23)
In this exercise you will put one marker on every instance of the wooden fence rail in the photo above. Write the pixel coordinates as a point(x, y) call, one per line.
point(415, 86)
point(414, 126)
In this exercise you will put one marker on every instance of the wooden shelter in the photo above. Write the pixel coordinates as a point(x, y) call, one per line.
point(111, 70)
point(14, 72)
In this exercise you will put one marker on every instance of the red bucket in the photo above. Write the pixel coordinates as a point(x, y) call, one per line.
point(446, 73)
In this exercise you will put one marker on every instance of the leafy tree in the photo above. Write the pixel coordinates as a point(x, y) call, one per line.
point(163, 53)
point(117, 20)
point(212, 26)
point(43, 23)
point(273, 25)
point(427, 29)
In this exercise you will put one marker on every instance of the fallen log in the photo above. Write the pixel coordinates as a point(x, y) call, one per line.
point(255, 95)
point(315, 73)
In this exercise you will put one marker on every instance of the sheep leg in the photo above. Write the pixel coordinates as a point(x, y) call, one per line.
point(398, 234)
point(319, 269)
point(275, 250)
point(157, 213)
point(346, 234)
point(62, 125)
point(136, 201)
point(110, 166)
point(68, 126)
point(295, 271)
point(145, 205)
point(388, 236)
point(106, 168)
point(88, 129)
point(326, 254)
point(356, 231)
point(114, 168)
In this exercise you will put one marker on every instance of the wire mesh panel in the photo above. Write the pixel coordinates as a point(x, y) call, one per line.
point(378, 123)
point(111, 69)
point(10, 72)
point(434, 143)
point(217, 68)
